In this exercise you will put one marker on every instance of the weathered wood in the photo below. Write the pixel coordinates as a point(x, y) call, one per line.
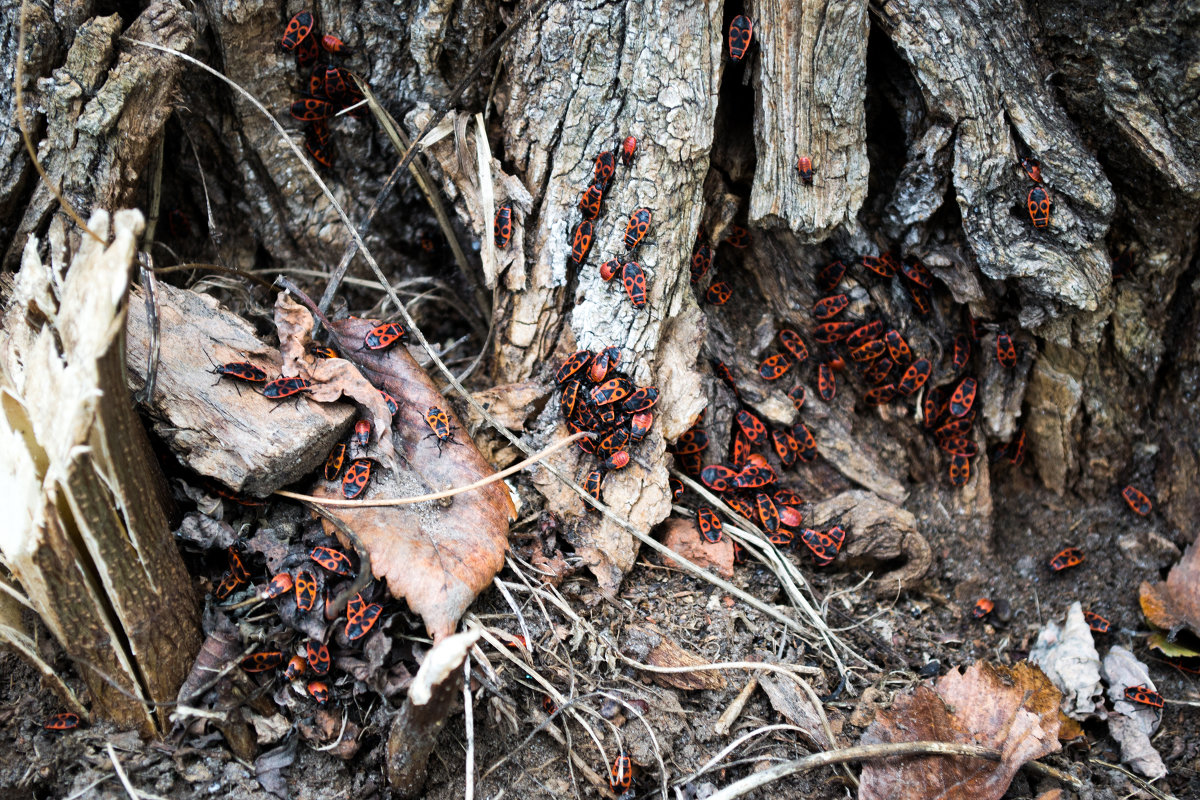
point(91, 546)
point(218, 427)
point(809, 91)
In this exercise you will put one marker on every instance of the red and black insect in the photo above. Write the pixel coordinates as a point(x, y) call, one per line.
point(690, 463)
point(718, 294)
point(282, 388)
point(581, 241)
point(439, 425)
point(321, 351)
point(709, 524)
point(962, 352)
point(897, 347)
point(356, 478)
point(808, 443)
point(317, 656)
point(628, 150)
point(612, 442)
point(921, 299)
point(702, 257)
point(826, 385)
point(1065, 559)
point(606, 359)
point(618, 460)
point(722, 372)
point(1144, 695)
point(741, 29)
point(319, 691)
point(676, 486)
point(797, 396)
point(774, 367)
point(1096, 622)
point(877, 371)
point(738, 237)
point(611, 391)
point(239, 370)
point(592, 483)
point(767, 511)
point(786, 497)
point(620, 776)
point(863, 334)
point(572, 364)
point(792, 342)
point(332, 560)
point(637, 228)
point(739, 452)
point(958, 445)
point(633, 278)
point(1137, 500)
point(754, 476)
point(879, 265)
point(602, 172)
point(360, 617)
point(305, 587)
point(609, 269)
point(830, 276)
point(589, 201)
point(362, 432)
point(741, 505)
point(278, 586)
point(804, 167)
point(307, 52)
point(915, 271)
point(914, 377)
point(788, 516)
point(960, 470)
point(1016, 450)
point(228, 585)
point(1006, 351)
point(381, 337)
point(823, 546)
point(295, 668)
point(781, 537)
point(310, 109)
point(718, 477)
point(1039, 206)
point(548, 705)
point(261, 662)
point(751, 426)
point(693, 440)
point(785, 446)
point(502, 227)
point(983, 607)
point(881, 395)
point(639, 425)
point(869, 351)
point(829, 307)
point(831, 332)
point(963, 397)
point(640, 399)
point(1033, 168)
point(298, 29)
point(62, 721)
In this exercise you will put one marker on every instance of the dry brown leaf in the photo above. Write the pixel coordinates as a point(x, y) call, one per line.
point(683, 537)
point(1014, 710)
point(436, 557)
point(1175, 603)
point(333, 378)
point(797, 708)
point(649, 645)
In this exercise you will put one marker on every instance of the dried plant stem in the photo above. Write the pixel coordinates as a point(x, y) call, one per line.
point(868, 752)
point(423, 498)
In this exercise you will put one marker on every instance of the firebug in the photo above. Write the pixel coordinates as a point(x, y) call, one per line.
point(307, 52)
point(739, 451)
point(261, 662)
point(295, 668)
point(589, 201)
point(879, 266)
point(1065, 559)
point(381, 337)
point(830, 332)
point(786, 497)
point(722, 372)
point(640, 399)
point(676, 488)
point(602, 172)
point(620, 776)
point(331, 560)
point(573, 363)
point(738, 237)
point(881, 395)
point(789, 516)
point(871, 350)
point(1144, 695)
point(741, 29)
point(1033, 168)
point(1096, 622)
point(1039, 206)
point(310, 109)
point(702, 258)
point(637, 227)
point(792, 342)
point(709, 524)
point(633, 278)
point(639, 425)
point(718, 294)
point(361, 618)
point(611, 391)
point(279, 585)
point(718, 477)
point(767, 511)
point(823, 546)
point(319, 691)
point(332, 44)
point(877, 371)
point(392, 405)
point(362, 432)
point(618, 460)
point(439, 425)
point(860, 335)
point(305, 587)
point(1006, 352)
point(958, 445)
point(282, 388)
point(693, 440)
point(915, 271)
point(754, 476)
point(581, 241)
point(502, 227)
point(796, 394)
point(751, 426)
point(829, 307)
point(613, 441)
point(804, 167)
point(1136, 500)
point(603, 361)
point(356, 478)
point(298, 28)
point(960, 470)
point(785, 452)
point(317, 656)
point(963, 397)
point(897, 347)
point(62, 721)
point(914, 377)
point(983, 607)
point(830, 276)
point(628, 150)
point(568, 398)
point(609, 269)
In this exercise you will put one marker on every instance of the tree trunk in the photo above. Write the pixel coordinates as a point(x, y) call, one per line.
point(915, 115)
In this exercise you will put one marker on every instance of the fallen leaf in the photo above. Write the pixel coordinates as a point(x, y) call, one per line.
point(1136, 748)
point(683, 537)
point(649, 645)
point(552, 569)
point(1068, 657)
point(797, 708)
point(1159, 641)
point(1123, 670)
point(436, 555)
point(1014, 710)
point(1175, 603)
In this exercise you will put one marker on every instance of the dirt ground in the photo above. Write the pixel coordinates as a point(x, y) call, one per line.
point(914, 636)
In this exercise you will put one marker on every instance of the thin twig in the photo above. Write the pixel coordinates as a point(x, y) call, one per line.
point(469, 723)
point(112, 754)
point(1154, 790)
point(866, 752)
point(424, 498)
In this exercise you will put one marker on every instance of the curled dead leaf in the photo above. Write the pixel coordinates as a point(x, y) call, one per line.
point(1068, 657)
point(436, 555)
point(1175, 603)
point(1014, 710)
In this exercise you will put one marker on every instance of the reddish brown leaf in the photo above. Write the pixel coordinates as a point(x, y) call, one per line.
point(682, 536)
point(435, 556)
point(1175, 603)
point(1014, 710)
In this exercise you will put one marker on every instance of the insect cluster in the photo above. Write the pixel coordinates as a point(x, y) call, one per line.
point(596, 396)
point(301, 589)
point(329, 89)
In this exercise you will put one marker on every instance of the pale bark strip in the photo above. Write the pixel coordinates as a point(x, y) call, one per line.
point(810, 88)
